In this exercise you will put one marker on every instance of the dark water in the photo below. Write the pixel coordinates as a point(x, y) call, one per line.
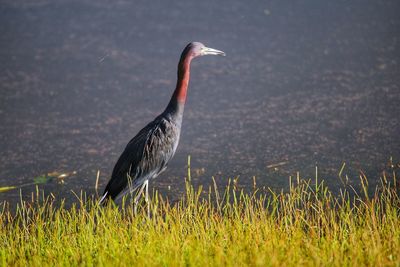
point(304, 83)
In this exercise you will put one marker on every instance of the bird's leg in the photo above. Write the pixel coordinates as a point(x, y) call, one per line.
point(147, 198)
point(137, 197)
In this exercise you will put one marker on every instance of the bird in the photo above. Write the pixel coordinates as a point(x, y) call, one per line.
point(148, 153)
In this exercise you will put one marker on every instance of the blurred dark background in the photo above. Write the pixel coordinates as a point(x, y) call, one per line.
point(304, 84)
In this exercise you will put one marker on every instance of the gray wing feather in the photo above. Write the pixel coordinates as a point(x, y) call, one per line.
point(145, 156)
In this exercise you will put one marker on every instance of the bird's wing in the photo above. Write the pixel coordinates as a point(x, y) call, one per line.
point(129, 159)
point(145, 156)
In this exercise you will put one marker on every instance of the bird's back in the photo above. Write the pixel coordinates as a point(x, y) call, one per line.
point(145, 156)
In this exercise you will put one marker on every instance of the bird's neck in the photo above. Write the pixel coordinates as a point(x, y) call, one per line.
point(178, 99)
point(183, 80)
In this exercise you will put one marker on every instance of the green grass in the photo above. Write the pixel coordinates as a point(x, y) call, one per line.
point(307, 225)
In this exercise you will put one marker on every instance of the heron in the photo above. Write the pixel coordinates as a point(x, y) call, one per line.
point(148, 153)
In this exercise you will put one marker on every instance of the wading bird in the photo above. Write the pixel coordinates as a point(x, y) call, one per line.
point(148, 153)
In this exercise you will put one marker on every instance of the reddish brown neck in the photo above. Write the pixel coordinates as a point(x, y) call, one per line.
point(183, 80)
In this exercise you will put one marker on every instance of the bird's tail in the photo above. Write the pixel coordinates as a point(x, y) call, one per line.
point(104, 199)
point(107, 196)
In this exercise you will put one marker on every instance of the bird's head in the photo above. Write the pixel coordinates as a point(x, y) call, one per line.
point(196, 49)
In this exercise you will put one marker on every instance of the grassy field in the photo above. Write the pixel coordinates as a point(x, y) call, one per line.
point(307, 225)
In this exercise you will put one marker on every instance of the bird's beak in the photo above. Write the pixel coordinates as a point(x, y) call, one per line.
point(212, 51)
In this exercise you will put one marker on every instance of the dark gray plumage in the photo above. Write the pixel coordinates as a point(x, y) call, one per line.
point(148, 153)
point(145, 156)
